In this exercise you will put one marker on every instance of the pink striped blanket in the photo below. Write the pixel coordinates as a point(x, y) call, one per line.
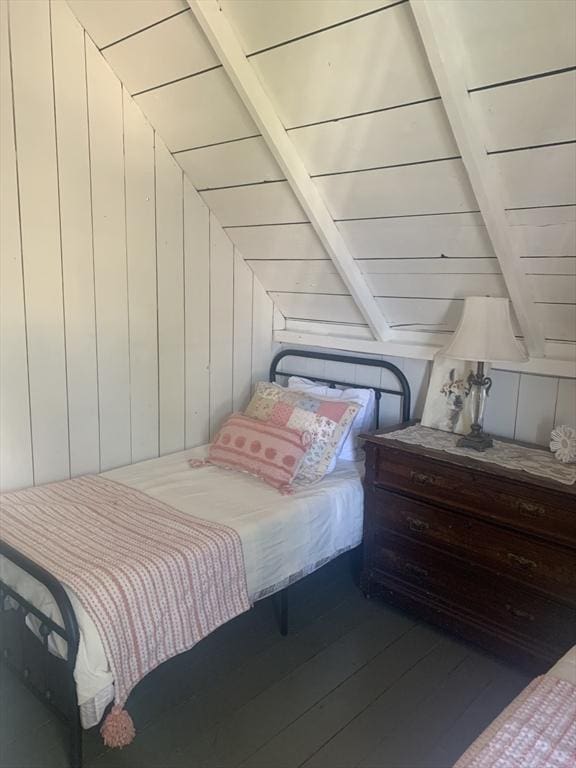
point(154, 580)
point(537, 730)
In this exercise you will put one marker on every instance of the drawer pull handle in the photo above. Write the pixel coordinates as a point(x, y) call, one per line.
point(523, 562)
point(520, 614)
point(416, 570)
point(423, 478)
point(529, 507)
point(417, 525)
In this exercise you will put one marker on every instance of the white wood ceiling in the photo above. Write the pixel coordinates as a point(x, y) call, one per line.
point(372, 63)
point(351, 84)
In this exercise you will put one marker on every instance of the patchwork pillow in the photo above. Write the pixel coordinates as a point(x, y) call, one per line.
point(326, 421)
point(271, 452)
point(363, 421)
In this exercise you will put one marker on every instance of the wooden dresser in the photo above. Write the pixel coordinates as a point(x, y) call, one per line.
point(485, 552)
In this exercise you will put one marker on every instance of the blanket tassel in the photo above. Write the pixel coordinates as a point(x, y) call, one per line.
point(118, 728)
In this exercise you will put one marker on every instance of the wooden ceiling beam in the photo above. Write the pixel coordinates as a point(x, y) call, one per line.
point(443, 48)
point(228, 49)
point(559, 359)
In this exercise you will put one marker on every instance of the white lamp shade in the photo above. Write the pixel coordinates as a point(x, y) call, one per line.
point(485, 333)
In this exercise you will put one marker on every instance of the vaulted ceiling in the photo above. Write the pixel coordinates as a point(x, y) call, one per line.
point(412, 150)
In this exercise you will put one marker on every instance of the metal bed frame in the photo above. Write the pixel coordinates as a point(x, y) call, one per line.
point(50, 678)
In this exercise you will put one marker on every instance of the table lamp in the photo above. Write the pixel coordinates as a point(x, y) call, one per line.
point(484, 335)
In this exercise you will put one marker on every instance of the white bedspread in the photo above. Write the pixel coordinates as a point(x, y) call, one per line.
point(283, 538)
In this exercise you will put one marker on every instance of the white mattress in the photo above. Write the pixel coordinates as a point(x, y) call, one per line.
point(283, 538)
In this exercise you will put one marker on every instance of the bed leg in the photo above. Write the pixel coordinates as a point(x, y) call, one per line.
point(284, 612)
point(76, 742)
point(355, 557)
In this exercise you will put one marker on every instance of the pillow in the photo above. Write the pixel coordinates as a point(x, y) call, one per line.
point(327, 421)
point(271, 452)
point(363, 422)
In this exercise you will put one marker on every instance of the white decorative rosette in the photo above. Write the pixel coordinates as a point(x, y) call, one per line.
point(563, 444)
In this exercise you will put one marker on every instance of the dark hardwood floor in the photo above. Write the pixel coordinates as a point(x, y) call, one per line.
point(355, 683)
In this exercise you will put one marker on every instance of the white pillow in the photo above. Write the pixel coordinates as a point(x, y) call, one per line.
point(363, 422)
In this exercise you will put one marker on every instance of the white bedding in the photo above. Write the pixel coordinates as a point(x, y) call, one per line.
point(283, 538)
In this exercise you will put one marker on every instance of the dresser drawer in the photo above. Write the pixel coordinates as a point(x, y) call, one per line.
point(533, 562)
point(493, 600)
point(526, 507)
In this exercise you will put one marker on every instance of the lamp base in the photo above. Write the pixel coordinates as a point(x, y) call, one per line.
point(479, 441)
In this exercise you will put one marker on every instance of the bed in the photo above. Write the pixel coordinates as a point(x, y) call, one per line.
point(51, 642)
point(538, 728)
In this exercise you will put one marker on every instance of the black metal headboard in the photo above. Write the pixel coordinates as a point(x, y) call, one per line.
point(403, 392)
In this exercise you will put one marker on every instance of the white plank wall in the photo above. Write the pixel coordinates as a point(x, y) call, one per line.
point(76, 229)
point(262, 323)
point(221, 324)
point(170, 266)
point(197, 316)
point(121, 303)
point(534, 424)
point(105, 117)
point(40, 229)
point(142, 280)
point(528, 407)
point(15, 442)
point(243, 287)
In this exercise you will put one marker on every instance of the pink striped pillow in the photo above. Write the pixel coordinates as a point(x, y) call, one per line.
point(272, 453)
